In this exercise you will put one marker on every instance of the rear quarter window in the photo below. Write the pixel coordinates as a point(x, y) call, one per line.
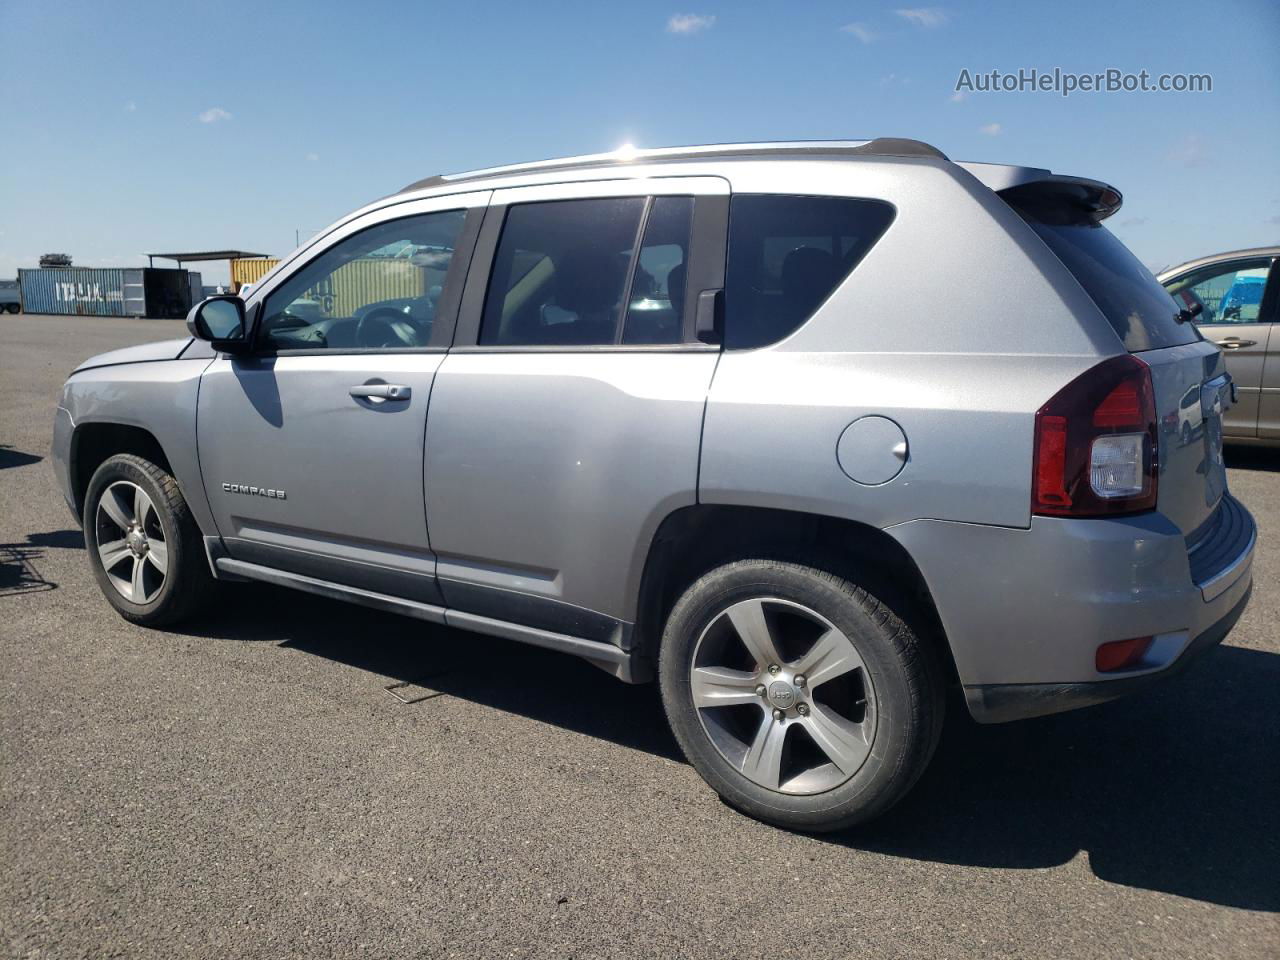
point(786, 255)
point(1141, 312)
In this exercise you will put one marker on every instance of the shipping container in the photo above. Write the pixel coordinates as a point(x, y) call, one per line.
point(135, 294)
point(110, 292)
point(73, 290)
point(369, 280)
point(250, 270)
point(195, 288)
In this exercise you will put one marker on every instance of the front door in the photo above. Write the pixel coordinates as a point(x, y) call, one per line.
point(566, 421)
point(1232, 298)
point(312, 446)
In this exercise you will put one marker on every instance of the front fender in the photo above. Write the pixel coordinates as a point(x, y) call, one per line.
point(158, 397)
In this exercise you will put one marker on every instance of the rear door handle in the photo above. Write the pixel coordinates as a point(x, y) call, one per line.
point(1235, 343)
point(380, 391)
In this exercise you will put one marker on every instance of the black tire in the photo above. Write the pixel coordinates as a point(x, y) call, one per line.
point(905, 672)
point(13, 308)
point(187, 584)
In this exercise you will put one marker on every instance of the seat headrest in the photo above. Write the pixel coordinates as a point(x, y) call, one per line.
point(588, 280)
point(808, 274)
point(675, 289)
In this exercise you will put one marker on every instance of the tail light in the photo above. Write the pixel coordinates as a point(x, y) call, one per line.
point(1096, 452)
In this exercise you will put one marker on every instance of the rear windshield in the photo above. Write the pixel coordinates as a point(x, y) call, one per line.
point(1140, 310)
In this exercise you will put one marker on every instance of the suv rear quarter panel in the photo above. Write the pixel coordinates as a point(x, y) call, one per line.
point(958, 325)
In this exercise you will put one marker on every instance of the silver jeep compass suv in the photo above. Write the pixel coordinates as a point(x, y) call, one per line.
point(805, 432)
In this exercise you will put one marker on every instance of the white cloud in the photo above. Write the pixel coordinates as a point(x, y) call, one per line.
point(214, 114)
point(960, 96)
point(991, 129)
point(687, 23)
point(131, 106)
point(860, 31)
point(1190, 151)
point(924, 16)
point(313, 157)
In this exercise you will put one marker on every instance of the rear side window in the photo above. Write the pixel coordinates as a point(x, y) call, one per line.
point(655, 304)
point(786, 255)
point(1140, 311)
point(561, 272)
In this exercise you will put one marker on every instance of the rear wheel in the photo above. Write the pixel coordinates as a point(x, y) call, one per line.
point(144, 547)
point(13, 308)
point(797, 695)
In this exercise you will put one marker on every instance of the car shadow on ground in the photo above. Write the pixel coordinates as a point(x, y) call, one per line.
point(1175, 789)
point(20, 562)
point(1252, 458)
point(546, 686)
point(10, 457)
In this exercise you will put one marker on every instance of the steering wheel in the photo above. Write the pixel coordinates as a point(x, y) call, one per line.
point(386, 327)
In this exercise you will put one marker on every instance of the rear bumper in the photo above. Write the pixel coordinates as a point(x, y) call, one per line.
point(1025, 610)
point(1002, 702)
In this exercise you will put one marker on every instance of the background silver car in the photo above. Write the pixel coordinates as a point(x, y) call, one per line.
point(1239, 296)
point(806, 432)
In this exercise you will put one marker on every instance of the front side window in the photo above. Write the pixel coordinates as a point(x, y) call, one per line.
point(1229, 292)
point(377, 289)
point(786, 255)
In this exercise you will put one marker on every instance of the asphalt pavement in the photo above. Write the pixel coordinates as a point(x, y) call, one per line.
point(248, 787)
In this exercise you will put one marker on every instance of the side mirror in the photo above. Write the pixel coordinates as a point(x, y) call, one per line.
point(220, 320)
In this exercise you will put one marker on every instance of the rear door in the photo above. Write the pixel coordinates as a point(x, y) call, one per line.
point(565, 422)
point(1231, 295)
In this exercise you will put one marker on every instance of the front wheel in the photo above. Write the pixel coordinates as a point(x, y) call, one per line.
point(799, 697)
point(144, 547)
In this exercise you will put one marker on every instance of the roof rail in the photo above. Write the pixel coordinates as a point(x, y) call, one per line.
point(880, 147)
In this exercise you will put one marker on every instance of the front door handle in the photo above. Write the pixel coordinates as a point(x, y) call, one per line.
point(1234, 343)
point(380, 391)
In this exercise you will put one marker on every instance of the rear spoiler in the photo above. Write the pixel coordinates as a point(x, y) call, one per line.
point(1035, 187)
point(1089, 199)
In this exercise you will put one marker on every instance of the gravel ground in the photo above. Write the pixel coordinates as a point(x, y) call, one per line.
point(247, 787)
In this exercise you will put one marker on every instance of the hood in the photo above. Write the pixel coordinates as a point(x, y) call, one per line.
point(143, 353)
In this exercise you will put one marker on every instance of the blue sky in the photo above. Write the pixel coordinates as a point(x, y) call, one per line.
point(147, 126)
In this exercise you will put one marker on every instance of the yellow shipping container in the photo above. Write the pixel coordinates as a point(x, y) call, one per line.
point(353, 285)
point(250, 270)
point(371, 280)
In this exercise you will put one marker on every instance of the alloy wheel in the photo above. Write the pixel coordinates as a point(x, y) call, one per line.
point(131, 542)
point(784, 696)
